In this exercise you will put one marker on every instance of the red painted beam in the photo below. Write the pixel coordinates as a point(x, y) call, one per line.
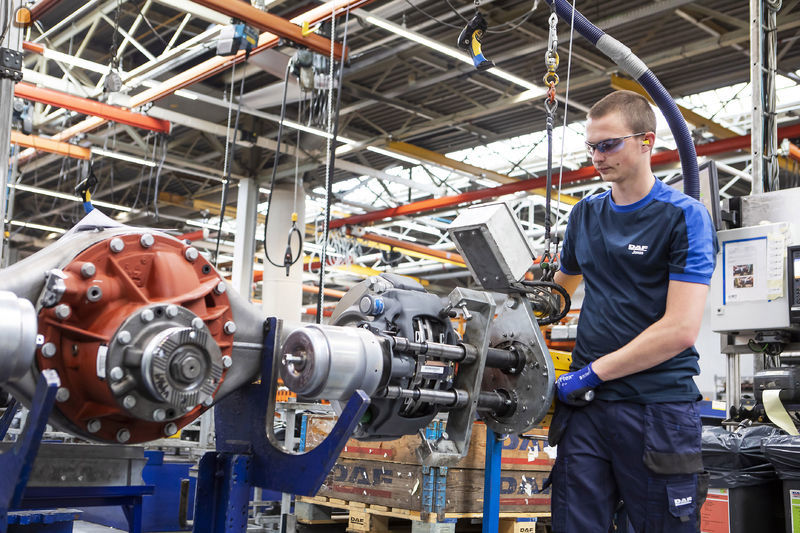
point(40, 8)
point(661, 158)
point(91, 107)
point(271, 23)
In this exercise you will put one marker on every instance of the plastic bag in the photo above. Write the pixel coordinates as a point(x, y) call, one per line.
point(736, 459)
point(783, 451)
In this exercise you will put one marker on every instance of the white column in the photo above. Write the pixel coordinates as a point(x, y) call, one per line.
point(244, 242)
point(282, 296)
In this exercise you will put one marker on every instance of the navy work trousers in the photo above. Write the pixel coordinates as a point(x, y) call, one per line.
point(647, 455)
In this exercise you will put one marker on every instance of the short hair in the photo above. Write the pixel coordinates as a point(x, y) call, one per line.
point(634, 108)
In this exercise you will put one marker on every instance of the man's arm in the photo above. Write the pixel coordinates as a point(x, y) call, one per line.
point(568, 281)
point(676, 331)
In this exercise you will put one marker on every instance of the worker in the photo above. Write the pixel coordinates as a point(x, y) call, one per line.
point(645, 252)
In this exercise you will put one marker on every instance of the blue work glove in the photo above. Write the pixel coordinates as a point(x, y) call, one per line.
point(576, 388)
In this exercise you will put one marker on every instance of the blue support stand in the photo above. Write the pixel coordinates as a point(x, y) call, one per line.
point(246, 457)
point(8, 417)
point(16, 464)
point(491, 482)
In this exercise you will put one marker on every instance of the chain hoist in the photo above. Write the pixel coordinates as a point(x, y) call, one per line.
point(547, 261)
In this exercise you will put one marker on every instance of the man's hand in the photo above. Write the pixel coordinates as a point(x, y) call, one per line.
point(576, 388)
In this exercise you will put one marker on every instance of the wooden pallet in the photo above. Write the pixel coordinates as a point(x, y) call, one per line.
point(365, 517)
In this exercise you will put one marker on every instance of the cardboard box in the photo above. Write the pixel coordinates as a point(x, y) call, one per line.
point(518, 453)
point(399, 485)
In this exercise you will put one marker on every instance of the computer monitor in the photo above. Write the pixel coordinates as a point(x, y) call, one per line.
point(709, 190)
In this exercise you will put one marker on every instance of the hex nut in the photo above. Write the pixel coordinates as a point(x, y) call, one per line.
point(62, 394)
point(171, 311)
point(159, 415)
point(116, 245)
point(198, 323)
point(208, 402)
point(220, 288)
point(93, 426)
point(170, 429)
point(191, 254)
point(49, 350)
point(147, 240)
point(88, 270)
point(124, 336)
point(116, 373)
point(123, 435)
point(63, 311)
point(229, 327)
point(227, 361)
point(147, 315)
point(129, 402)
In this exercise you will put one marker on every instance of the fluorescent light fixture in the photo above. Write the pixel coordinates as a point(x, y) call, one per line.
point(449, 51)
point(394, 155)
point(32, 225)
point(122, 157)
point(186, 94)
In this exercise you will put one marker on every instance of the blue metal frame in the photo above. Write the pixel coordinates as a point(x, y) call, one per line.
point(128, 497)
point(246, 458)
point(16, 463)
point(491, 482)
point(223, 493)
point(8, 417)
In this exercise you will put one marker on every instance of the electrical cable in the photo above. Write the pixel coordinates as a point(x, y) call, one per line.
point(9, 16)
point(333, 130)
point(229, 159)
point(530, 287)
point(163, 145)
point(288, 259)
point(512, 24)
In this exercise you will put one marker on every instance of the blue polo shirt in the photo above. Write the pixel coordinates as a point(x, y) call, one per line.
point(627, 255)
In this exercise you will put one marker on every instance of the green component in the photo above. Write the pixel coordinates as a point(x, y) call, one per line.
point(367, 417)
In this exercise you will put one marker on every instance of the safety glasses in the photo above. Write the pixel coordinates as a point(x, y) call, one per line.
point(610, 146)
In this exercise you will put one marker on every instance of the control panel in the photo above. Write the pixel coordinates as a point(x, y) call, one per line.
point(793, 269)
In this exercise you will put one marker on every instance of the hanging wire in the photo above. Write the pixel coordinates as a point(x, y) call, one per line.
point(229, 152)
point(564, 126)
point(510, 25)
point(333, 130)
point(289, 259)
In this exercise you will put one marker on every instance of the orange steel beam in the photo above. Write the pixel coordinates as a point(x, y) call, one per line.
point(794, 152)
point(661, 158)
point(272, 23)
point(90, 107)
point(49, 145)
point(42, 7)
point(333, 293)
point(450, 257)
point(202, 71)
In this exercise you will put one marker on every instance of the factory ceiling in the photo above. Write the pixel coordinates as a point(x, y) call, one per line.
point(395, 90)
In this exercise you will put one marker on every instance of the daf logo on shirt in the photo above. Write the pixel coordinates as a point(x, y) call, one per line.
point(637, 249)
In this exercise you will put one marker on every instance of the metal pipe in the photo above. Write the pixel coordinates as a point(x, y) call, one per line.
point(662, 158)
point(454, 399)
point(498, 402)
point(460, 353)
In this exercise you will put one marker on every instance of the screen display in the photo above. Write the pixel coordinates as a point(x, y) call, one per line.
point(797, 267)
